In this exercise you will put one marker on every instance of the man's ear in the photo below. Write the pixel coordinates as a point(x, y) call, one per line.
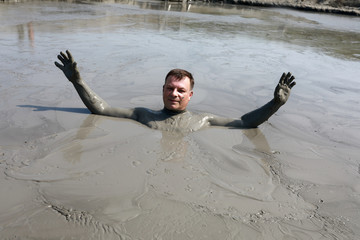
point(191, 94)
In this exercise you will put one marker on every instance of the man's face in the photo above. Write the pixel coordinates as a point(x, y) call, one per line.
point(176, 93)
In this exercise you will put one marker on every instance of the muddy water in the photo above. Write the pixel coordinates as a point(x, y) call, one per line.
point(296, 176)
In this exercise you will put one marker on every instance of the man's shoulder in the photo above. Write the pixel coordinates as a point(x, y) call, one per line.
point(144, 115)
point(203, 115)
point(141, 109)
point(146, 111)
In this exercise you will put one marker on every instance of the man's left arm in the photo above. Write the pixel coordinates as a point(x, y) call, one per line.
point(262, 114)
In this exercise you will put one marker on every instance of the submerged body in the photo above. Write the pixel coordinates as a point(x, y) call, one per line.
point(167, 120)
point(177, 93)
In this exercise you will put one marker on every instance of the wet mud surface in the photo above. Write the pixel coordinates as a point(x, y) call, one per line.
point(66, 174)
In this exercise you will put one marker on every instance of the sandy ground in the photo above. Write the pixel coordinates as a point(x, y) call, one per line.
point(67, 174)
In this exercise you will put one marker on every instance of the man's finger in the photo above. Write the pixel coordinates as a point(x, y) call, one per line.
point(282, 79)
point(64, 56)
point(71, 59)
point(288, 76)
point(61, 59)
point(292, 84)
point(59, 65)
point(288, 82)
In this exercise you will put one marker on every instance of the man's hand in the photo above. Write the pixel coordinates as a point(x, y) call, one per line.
point(282, 90)
point(69, 67)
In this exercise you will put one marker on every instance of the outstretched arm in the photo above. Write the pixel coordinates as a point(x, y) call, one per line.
point(262, 114)
point(91, 100)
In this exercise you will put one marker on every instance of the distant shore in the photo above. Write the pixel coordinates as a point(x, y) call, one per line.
point(348, 7)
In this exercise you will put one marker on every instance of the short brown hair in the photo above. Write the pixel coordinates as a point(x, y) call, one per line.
point(180, 74)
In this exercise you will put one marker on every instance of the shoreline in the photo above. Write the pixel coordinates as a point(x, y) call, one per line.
point(346, 7)
point(304, 5)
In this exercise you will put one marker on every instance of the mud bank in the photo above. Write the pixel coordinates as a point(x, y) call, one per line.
point(348, 7)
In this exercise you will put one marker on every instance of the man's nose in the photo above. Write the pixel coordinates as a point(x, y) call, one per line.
point(174, 92)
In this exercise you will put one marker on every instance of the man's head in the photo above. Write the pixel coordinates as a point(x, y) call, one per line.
point(177, 90)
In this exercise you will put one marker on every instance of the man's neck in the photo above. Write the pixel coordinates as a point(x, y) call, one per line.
point(172, 112)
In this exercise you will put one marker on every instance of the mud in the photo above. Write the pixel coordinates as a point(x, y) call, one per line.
point(66, 174)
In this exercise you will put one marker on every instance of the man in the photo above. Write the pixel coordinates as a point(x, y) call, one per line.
point(177, 92)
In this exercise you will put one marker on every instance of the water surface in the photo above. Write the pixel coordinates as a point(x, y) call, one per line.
point(295, 176)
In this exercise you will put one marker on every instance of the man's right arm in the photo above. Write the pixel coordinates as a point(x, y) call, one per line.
point(91, 100)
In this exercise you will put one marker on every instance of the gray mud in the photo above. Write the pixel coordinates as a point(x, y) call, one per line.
point(66, 174)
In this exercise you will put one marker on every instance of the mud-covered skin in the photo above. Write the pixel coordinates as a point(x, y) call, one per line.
point(178, 118)
point(167, 120)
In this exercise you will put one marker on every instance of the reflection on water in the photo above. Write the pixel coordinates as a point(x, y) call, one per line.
point(326, 34)
point(73, 152)
point(22, 29)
